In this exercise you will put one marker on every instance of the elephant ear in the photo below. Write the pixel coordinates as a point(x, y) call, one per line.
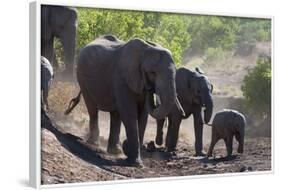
point(130, 64)
point(190, 84)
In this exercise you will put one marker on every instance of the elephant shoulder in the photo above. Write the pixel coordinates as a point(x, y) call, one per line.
point(182, 71)
point(106, 42)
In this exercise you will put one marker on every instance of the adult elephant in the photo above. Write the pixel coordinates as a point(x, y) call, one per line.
point(194, 92)
point(121, 78)
point(60, 22)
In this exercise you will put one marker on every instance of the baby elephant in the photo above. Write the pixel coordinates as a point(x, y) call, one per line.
point(226, 124)
point(47, 75)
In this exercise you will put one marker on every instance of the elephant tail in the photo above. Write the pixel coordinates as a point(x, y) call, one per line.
point(73, 103)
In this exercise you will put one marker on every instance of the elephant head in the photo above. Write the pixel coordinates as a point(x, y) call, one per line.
point(201, 90)
point(149, 68)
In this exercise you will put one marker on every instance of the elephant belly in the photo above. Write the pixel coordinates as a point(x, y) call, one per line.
point(99, 91)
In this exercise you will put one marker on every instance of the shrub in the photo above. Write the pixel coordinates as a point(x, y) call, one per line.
point(214, 54)
point(256, 88)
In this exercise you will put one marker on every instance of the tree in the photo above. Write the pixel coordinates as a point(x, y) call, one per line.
point(256, 88)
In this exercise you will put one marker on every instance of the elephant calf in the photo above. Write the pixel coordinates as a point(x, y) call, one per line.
point(47, 75)
point(226, 124)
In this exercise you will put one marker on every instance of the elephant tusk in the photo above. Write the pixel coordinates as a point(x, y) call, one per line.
point(180, 107)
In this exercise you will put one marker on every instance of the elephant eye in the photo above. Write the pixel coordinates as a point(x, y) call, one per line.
point(198, 91)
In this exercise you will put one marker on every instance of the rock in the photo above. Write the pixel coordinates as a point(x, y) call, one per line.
point(243, 169)
point(250, 168)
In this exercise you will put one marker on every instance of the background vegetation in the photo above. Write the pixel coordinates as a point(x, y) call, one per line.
point(180, 33)
point(257, 88)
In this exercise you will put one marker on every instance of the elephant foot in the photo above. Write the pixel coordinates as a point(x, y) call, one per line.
point(114, 149)
point(209, 155)
point(200, 153)
point(93, 142)
point(240, 151)
point(135, 163)
point(159, 140)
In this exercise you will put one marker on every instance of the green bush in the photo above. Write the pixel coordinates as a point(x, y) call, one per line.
point(166, 29)
point(214, 54)
point(256, 88)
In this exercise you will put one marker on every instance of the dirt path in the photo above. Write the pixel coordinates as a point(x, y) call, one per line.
point(66, 158)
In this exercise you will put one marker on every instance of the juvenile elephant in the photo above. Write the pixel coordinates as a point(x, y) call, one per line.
point(194, 92)
point(226, 124)
point(60, 22)
point(121, 78)
point(47, 75)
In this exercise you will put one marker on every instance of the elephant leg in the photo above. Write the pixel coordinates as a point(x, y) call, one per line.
point(93, 114)
point(113, 146)
point(198, 129)
point(45, 88)
point(142, 121)
point(229, 144)
point(159, 135)
point(173, 132)
point(131, 146)
point(127, 107)
point(239, 138)
point(94, 128)
point(212, 145)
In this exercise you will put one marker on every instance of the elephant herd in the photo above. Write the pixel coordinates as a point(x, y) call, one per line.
point(132, 80)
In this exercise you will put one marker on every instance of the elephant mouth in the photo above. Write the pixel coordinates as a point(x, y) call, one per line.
point(154, 104)
point(153, 101)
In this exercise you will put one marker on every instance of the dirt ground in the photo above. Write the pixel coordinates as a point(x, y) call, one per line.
point(67, 158)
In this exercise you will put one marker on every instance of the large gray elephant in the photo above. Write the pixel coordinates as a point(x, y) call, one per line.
point(226, 124)
point(121, 78)
point(60, 22)
point(194, 93)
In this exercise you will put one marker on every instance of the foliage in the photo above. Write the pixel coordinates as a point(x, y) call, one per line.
point(252, 31)
point(213, 54)
point(257, 87)
point(213, 32)
point(169, 30)
point(180, 33)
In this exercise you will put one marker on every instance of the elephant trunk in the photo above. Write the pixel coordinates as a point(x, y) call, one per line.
point(68, 42)
point(208, 108)
point(165, 98)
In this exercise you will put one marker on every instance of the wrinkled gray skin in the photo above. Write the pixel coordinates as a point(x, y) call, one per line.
point(226, 124)
point(60, 22)
point(194, 93)
point(47, 75)
point(121, 78)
